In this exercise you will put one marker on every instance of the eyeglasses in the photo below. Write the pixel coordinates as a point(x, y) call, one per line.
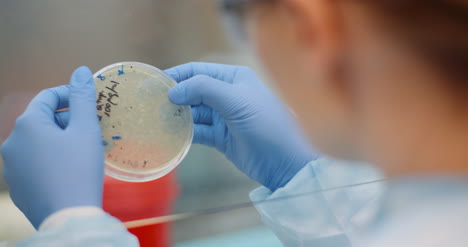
point(236, 12)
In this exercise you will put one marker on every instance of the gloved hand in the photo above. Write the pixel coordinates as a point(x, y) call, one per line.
point(235, 113)
point(49, 168)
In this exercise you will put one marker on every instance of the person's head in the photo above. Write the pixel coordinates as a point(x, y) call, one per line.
point(368, 79)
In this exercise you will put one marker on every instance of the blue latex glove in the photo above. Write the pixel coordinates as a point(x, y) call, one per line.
point(49, 168)
point(235, 113)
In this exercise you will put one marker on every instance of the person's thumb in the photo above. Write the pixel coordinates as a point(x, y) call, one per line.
point(83, 113)
point(204, 90)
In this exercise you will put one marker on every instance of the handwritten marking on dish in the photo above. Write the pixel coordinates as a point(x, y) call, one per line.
point(106, 99)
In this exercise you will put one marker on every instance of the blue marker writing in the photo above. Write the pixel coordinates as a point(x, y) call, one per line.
point(121, 71)
point(101, 77)
point(116, 138)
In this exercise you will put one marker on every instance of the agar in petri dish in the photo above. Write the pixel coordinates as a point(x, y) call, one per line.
point(145, 136)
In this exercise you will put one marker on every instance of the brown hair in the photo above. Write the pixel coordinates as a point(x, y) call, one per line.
point(438, 28)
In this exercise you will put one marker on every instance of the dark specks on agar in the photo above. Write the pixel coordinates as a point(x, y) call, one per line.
point(178, 113)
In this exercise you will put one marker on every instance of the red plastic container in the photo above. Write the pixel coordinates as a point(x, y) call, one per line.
point(132, 201)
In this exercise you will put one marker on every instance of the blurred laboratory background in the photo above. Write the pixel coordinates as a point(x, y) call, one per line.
point(43, 41)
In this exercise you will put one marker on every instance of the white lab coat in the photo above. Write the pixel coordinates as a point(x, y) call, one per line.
point(410, 212)
point(423, 211)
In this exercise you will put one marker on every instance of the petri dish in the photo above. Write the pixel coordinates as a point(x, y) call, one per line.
point(144, 135)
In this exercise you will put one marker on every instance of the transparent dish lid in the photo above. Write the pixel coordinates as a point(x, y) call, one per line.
point(145, 136)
